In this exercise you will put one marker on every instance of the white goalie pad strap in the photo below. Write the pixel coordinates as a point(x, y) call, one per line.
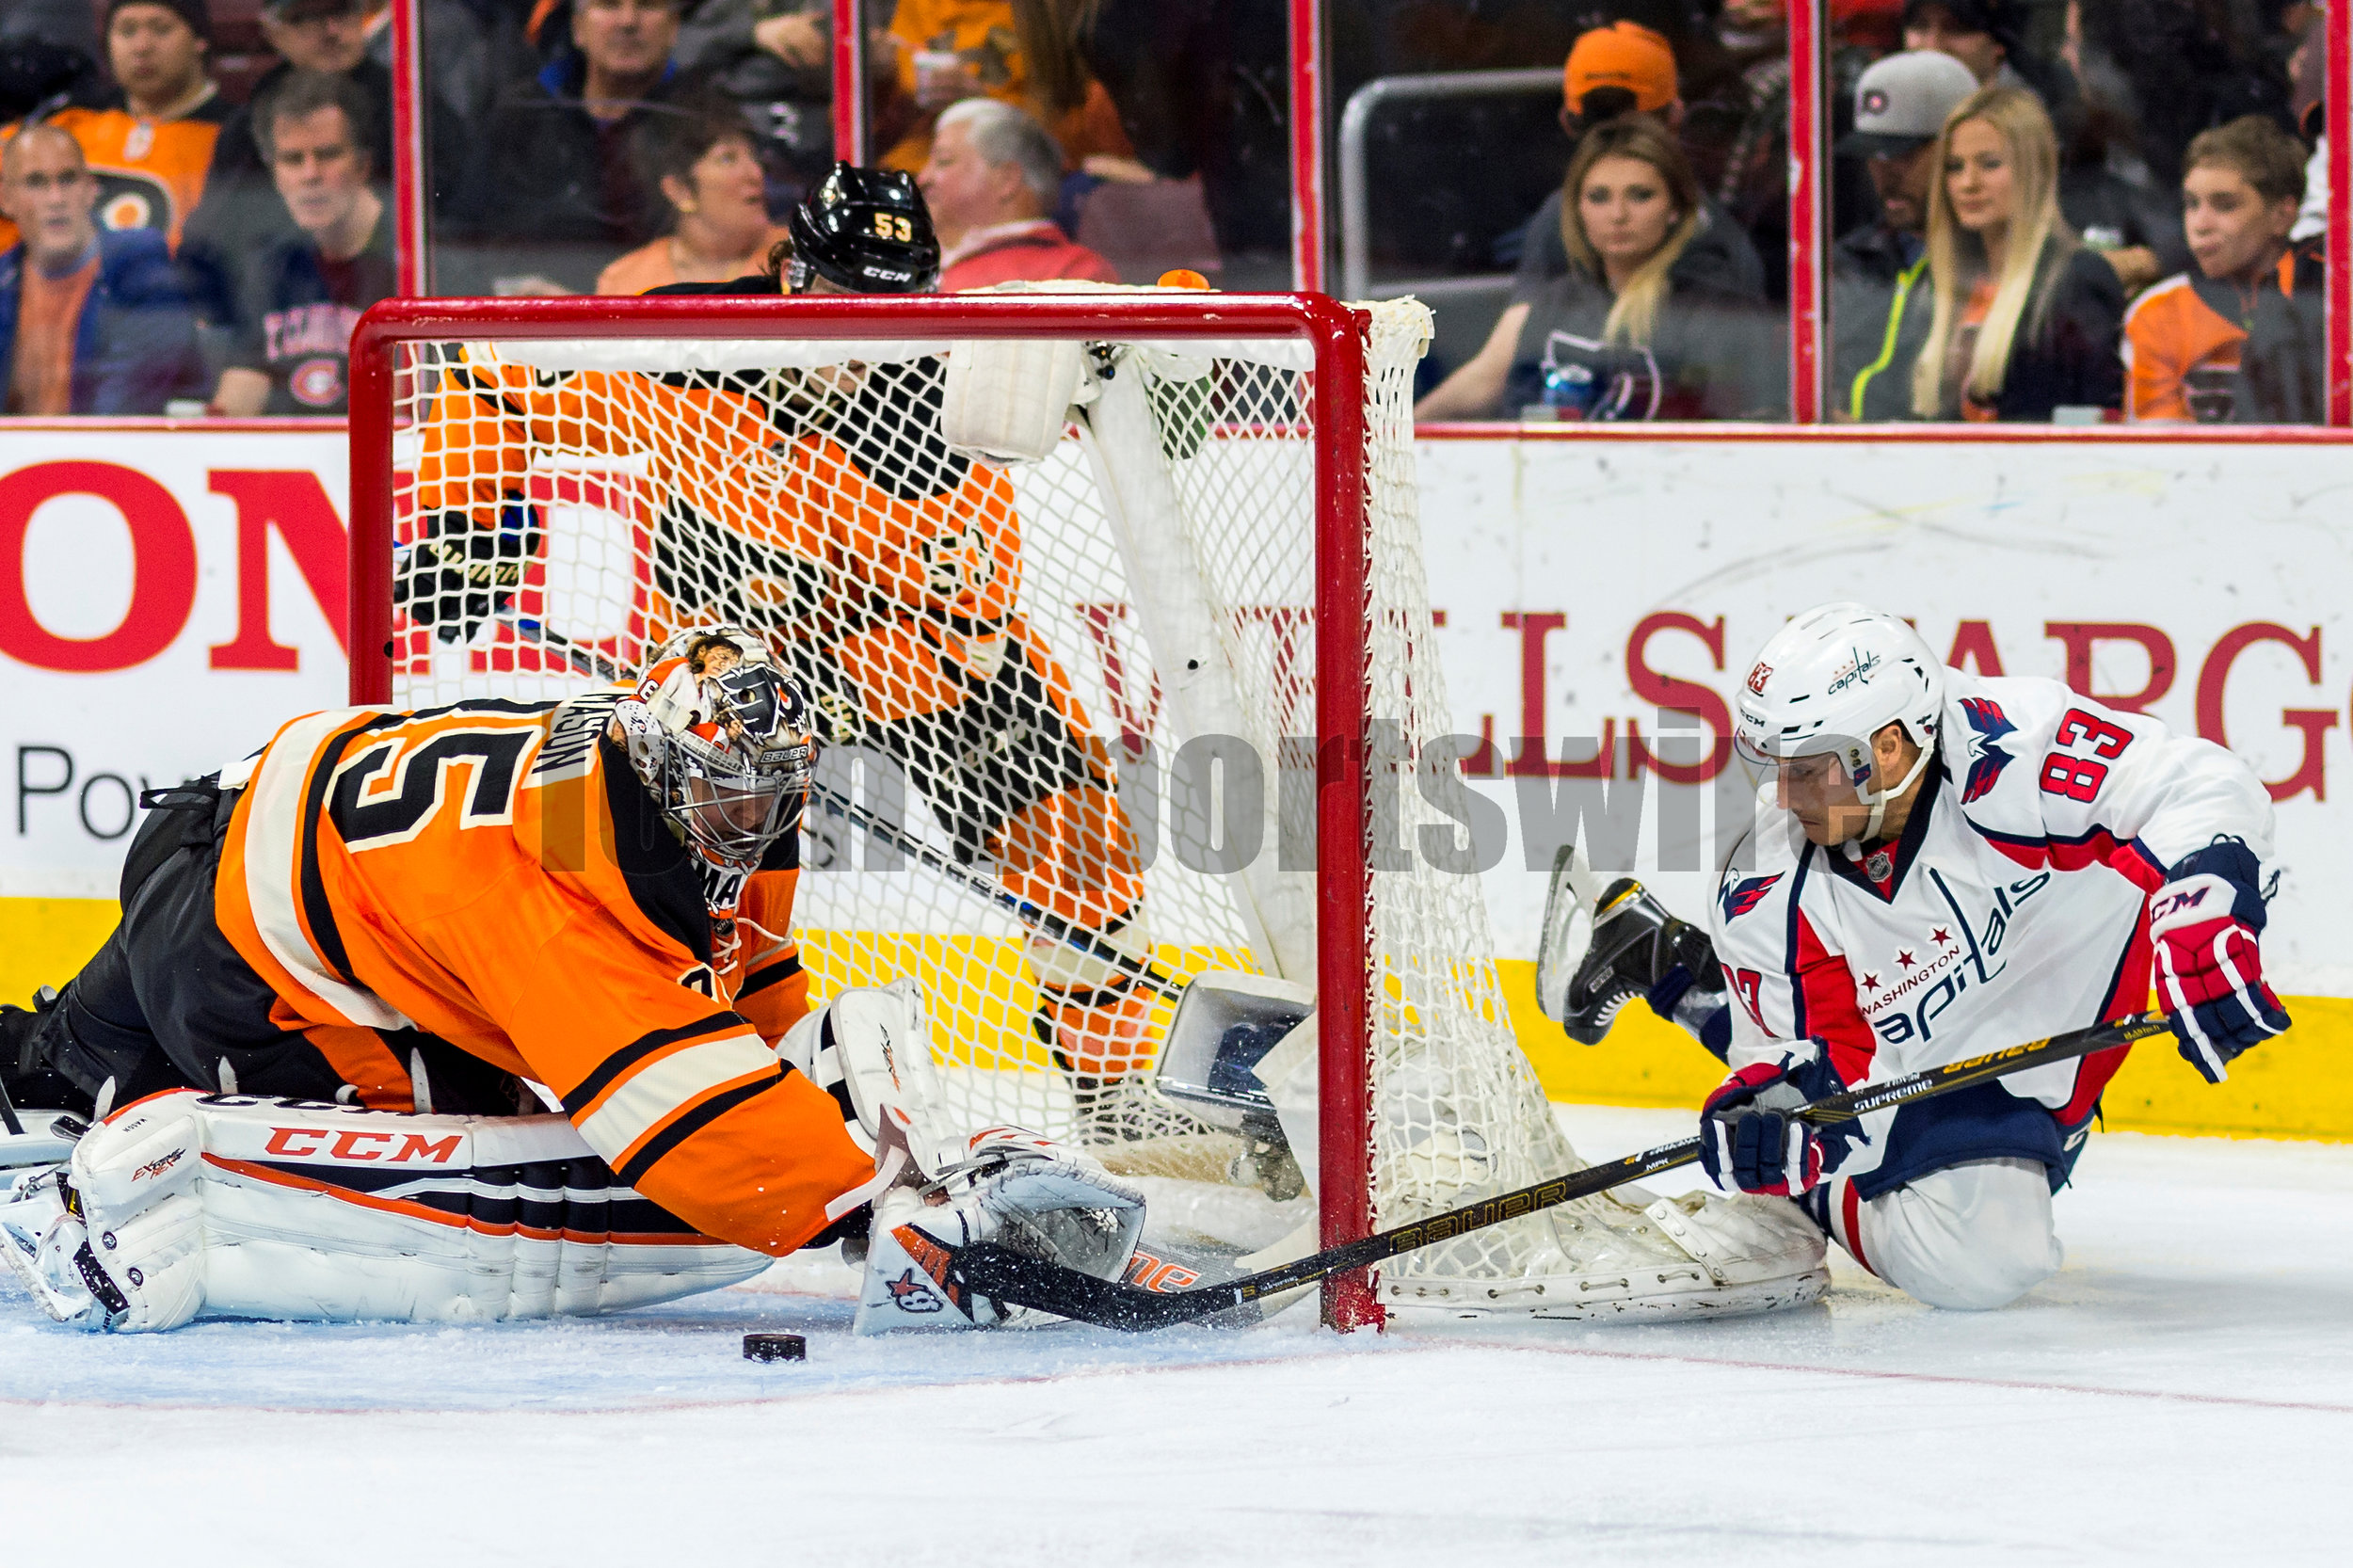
point(251, 1207)
point(1007, 399)
point(872, 1048)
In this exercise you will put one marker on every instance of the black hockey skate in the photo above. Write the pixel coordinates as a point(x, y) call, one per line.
point(1636, 946)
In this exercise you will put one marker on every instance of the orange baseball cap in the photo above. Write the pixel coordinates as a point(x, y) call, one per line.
point(1623, 55)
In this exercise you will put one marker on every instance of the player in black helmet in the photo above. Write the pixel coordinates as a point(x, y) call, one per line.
point(884, 570)
point(863, 230)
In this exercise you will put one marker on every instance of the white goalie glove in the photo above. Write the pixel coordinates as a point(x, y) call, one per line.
point(1625, 1251)
point(1021, 1191)
point(933, 1190)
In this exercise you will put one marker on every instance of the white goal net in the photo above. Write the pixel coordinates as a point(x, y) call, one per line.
point(1070, 689)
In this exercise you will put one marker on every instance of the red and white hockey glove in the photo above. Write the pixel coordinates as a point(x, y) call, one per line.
point(2210, 974)
point(1749, 1139)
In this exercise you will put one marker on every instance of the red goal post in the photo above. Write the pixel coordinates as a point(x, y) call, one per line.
point(1337, 336)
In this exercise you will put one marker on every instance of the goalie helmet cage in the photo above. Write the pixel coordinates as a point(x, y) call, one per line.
point(1249, 477)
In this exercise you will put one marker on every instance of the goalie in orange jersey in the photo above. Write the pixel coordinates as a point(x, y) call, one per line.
point(351, 968)
point(823, 508)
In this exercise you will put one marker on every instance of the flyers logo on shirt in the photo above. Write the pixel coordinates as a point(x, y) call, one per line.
point(130, 210)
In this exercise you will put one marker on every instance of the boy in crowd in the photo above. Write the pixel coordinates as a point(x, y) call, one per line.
point(2240, 340)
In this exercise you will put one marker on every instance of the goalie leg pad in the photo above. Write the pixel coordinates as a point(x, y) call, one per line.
point(1006, 400)
point(190, 1206)
point(1629, 1253)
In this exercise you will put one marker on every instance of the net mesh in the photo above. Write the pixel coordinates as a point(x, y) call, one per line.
point(980, 643)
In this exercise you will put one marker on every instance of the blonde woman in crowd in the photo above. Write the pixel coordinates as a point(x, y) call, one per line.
point(1643, 325)
point(2023, 321)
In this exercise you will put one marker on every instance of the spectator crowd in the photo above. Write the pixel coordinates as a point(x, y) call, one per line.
point(2039, 210)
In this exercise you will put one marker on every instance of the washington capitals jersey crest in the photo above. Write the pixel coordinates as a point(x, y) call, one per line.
point(1987, 726)
point(2016, 904)
point(1738, 897)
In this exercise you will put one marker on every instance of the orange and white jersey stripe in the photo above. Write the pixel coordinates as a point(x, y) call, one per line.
point(492, 874)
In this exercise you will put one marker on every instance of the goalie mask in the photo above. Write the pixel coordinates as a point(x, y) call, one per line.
point(722, 740)
point(866, 231)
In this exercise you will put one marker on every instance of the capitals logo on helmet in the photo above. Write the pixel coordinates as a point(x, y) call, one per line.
point(1830, 681)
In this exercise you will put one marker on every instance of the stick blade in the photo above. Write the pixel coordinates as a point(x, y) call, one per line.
point(989, 1270)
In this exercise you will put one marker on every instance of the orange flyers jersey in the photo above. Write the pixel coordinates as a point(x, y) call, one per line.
point(150, 172)
point(869, 517)
point(2185, 325)
point(493, 874)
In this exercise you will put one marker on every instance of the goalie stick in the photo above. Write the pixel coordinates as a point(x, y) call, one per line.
point(990, 1269)
point(1147, 974)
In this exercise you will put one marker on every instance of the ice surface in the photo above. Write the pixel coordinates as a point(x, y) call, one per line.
point(2181, 1392)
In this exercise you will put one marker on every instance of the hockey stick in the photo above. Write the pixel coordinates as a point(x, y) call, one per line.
point(988, 1269)
point(1146, 974)
point(586, 660)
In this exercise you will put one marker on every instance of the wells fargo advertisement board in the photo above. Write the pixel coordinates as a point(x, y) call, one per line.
point(169, 597)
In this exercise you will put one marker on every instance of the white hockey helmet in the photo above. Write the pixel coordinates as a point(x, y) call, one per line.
point(1828, 681)
point(722, 738)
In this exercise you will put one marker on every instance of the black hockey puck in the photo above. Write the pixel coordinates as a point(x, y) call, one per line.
point(775, 1347)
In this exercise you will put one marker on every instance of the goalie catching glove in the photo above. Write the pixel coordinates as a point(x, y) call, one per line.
point(2210, 975)
point(1021, 1191)
point(933, 1192)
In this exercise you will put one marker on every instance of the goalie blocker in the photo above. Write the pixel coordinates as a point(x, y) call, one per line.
point(1241, 1054)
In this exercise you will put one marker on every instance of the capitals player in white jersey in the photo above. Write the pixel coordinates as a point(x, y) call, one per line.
point(1954, 863)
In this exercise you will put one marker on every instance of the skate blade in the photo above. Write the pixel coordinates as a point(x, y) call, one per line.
point(40, 1143)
